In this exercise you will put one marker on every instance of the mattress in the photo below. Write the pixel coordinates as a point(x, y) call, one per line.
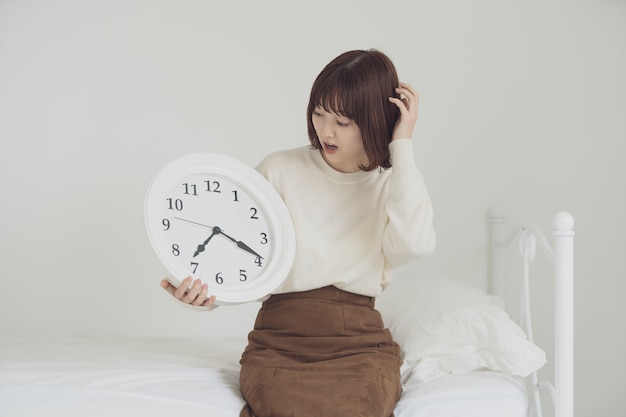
point(163, 377)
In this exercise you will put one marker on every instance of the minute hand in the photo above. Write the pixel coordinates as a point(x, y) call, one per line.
point(241, 245)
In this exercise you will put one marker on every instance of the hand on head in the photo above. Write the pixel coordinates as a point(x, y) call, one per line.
point(408, 106)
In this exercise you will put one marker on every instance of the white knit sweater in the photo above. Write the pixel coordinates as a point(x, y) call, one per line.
point(351, 229)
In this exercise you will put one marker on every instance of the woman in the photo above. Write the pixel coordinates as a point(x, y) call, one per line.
point(319, 347)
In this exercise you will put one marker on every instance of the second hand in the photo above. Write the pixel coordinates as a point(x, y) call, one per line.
point(189, 221)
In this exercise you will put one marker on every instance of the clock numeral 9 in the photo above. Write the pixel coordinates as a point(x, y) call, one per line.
point(166, 224)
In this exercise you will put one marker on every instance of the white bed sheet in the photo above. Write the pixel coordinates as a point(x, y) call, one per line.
point(164, 377)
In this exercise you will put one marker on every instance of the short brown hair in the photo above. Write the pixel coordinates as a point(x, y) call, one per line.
point(357, 84)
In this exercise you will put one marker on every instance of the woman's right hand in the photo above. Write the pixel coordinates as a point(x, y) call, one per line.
point(193, 293)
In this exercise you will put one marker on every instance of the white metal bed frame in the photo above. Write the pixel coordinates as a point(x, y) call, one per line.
point(562, 391)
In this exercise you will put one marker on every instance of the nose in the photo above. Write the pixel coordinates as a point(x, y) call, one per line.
point(326, 130)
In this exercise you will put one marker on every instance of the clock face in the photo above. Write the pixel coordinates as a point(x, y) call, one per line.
point(220, 224)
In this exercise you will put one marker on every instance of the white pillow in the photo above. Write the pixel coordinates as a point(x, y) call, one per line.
point(444, 326)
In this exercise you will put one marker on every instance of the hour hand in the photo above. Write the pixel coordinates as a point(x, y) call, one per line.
point(201, 247)
point(241, 245)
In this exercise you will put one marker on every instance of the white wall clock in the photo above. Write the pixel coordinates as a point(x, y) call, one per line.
point(215, 218)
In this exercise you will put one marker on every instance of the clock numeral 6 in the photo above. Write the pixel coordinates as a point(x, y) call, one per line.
point(219, 279)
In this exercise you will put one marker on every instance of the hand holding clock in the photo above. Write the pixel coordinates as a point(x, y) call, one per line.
point(190, 292)
point(195, 293)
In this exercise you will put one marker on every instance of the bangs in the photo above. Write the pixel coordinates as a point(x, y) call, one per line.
point(337, 94)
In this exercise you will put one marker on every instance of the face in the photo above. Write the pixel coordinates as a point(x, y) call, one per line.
point(341, 140)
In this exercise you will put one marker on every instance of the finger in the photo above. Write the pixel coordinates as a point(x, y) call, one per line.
point(181, 290)
point(193, 292)
point(408, 88)
point(167, 286)
point(407, 92)
point(407, 96)
point(209, 301)
point(402, 105)
point(410, 102)
point(201, 297)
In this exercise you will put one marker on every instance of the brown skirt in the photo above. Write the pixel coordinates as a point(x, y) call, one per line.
point(320, 353)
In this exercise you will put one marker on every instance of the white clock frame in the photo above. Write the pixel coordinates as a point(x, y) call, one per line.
point(263, 193)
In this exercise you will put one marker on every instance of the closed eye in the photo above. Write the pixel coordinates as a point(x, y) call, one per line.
point(343, 124)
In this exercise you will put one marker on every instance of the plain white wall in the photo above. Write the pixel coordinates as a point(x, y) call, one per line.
point(523, 103)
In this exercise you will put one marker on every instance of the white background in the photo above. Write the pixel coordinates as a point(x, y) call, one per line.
point(522, 103)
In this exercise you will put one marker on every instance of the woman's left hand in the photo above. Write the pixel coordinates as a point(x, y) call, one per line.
point(408, 106)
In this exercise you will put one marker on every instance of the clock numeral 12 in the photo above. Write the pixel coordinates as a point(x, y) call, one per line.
point(212, 186)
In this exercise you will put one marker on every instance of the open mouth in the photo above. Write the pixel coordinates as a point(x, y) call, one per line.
point(329, 147)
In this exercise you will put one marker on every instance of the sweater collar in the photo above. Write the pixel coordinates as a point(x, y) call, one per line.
point(336, 176)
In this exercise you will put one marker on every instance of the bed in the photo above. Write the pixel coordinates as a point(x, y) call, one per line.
point(462, 352)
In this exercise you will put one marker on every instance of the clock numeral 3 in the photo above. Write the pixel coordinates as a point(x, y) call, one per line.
point(219, 279)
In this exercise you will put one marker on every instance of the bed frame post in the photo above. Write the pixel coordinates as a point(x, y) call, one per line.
point(563, 233)
point(497, 273)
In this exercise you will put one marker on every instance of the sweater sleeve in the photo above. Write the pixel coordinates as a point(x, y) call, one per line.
point(410, 233)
